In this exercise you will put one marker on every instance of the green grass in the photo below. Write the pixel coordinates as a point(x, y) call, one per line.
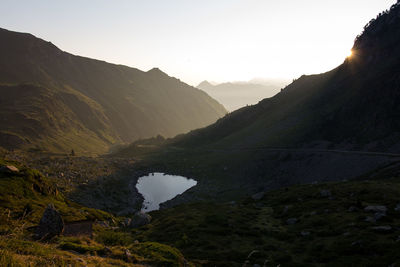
point(211, 233)
point(224, 234)
point(23, 198)
point(25, 195)
point(159, 255)
point(114, 238)
point(81, 248)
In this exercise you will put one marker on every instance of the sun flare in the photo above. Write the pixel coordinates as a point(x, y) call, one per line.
point(350, 53)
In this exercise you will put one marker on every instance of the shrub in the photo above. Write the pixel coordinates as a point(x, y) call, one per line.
point(112, 238)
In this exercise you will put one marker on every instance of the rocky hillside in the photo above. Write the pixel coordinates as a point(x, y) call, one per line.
point(33, 235)
point(53, 100)
point(334, 126)
point(355, 106)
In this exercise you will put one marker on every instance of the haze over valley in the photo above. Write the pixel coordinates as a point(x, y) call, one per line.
point(103, 164)
point(234, 95)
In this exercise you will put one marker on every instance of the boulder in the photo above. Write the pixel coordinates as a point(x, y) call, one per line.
point(104, 224)
point(127, 222)
point(357, 243)
point(397, 208)
point(380, 209)
point(9, 169)
point(139, 219)
point(305, 233)
point(51, 223)
point(325, 193)
point(107, 251)
point(258, 196)
point(352, 209)
point(291, 221)
point(379, 215)
point(285, 210)
point(383, 229)
point(370, 219)
point(82, 261)
point(129, 257)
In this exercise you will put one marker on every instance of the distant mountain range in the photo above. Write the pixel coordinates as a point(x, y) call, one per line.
point(234, 95)
point(57, 101)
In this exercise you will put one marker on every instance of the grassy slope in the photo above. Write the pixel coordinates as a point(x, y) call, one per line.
point(215, 234)
point(87, 104)
point(35, 116)
point(23, 198)
point(218, 233)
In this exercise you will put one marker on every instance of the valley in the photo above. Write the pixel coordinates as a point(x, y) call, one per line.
point(107, 165)
point(223, 228)
point(235, 95)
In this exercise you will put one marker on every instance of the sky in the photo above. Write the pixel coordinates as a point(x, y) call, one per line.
point(196, 40)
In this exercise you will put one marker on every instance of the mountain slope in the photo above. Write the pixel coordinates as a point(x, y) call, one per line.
point(355, 106)
point(325, 127)
point(59, 101)
point(239, 94)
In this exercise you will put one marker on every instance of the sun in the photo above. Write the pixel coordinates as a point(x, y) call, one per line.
point(350, 53)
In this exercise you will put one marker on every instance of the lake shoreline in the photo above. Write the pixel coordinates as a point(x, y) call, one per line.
point(157, 188)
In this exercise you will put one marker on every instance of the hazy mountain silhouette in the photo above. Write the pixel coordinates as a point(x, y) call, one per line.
point(320, 128)
point(55, 100)
point(234, 95)
point(354, 106)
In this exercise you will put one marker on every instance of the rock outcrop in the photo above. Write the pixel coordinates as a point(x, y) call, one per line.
point(258, 196)
point(9, 169)
point(139, 219)
point(51, 223)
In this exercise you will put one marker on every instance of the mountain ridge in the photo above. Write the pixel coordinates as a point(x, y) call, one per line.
point(319, 128)
point(122, 103)
point(235, 95)
point(323, 106)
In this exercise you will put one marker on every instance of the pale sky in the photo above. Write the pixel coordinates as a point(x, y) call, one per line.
point(195, 40)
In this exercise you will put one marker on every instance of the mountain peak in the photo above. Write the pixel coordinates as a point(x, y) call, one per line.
point(156, 71)
point(107, 102)
point(380, 35)
point(205, 85)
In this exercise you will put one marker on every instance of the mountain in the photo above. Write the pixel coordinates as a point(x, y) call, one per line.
point(354, 106)
point(340, 125)
point(54, 100)
point(205, 85)
point(234, 95)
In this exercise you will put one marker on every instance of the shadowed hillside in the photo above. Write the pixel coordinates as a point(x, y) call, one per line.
point(355, 106)
point(54, 100)
point(333, 126)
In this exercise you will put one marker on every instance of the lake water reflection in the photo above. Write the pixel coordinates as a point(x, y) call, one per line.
point(158, 187)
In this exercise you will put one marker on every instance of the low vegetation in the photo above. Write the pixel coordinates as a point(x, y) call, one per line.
point(308, 225)
point(304, 225)
point(23, 197)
